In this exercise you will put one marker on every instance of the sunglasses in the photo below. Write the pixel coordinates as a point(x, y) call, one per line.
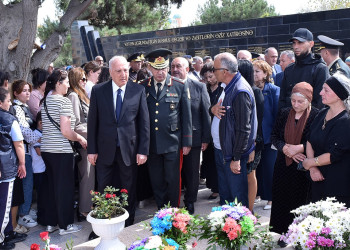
point(83, 79)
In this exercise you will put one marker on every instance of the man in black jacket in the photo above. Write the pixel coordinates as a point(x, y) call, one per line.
point(308, 67)
point(200, 104)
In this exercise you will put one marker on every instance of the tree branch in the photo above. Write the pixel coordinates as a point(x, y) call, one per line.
point(42, 58)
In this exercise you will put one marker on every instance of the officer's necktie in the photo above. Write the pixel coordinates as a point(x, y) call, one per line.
point(159, 85)
point(119, 104)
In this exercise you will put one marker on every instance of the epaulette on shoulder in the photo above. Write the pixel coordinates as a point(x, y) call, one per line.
point(145, 81)
point(178, 80)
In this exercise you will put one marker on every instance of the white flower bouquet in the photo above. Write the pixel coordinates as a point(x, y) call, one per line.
point(320, 225)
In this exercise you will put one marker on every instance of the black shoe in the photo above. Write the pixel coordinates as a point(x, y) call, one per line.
point(190, 208)
point(81, 217)
point(281, 243)
point(6, 245)
point(92, 236)
point(14, 237)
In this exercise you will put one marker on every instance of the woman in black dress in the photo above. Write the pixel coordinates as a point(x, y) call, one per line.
point(328, 146)
point(290, 186)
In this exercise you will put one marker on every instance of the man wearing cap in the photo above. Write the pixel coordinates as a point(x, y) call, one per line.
point(329, 51)
point(308, 67)
point(200, 104)
point(135, 61)
point(168, 100)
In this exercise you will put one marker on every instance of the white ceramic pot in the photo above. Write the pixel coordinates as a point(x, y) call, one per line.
point(108, 230)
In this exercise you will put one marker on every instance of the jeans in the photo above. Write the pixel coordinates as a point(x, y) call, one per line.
point(231, 186)
point(27, 187)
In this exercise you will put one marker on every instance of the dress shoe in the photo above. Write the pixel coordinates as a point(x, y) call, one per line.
point(190, 208)
point(14, 237)
point(6, 245)
point(93, 236)
point(81, 217)
point(281, 243)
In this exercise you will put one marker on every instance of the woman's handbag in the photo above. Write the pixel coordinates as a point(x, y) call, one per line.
point(76, 154)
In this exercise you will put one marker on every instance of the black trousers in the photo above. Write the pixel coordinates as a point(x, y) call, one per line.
point(120, 176)
point(59, 206)
point(209, 165)
point(5, 208)
point(190, 173)
point(164, 171)
point(41, 184)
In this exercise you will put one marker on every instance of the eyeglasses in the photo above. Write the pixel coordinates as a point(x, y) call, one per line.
point(214, 69)
point(83, 79)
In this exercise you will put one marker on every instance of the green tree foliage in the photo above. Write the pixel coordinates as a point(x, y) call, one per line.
point(320, 5)
point(232, 10)
point(128, 16)
point(65, 56)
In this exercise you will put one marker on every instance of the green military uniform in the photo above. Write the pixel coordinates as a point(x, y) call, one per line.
point(171, 129)
point(340, 66)
point(136, 57)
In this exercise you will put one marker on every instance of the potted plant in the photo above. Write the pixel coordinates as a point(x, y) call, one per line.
point(108, 216)
point(229, 226)
point(320, 225)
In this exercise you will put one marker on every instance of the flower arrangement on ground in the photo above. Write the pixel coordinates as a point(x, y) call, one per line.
point(44, 236)
point(320, 225)
point(109, 204)
point(229, 226)
point(176, 224)
point(154, 243)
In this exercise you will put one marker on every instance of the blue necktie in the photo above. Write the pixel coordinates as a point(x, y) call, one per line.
point(119, 104)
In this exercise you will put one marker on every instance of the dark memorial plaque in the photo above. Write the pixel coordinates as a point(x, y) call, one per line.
point(254, 35)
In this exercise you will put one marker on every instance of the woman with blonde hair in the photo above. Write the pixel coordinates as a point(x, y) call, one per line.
point(262, 79)
point(80, 102)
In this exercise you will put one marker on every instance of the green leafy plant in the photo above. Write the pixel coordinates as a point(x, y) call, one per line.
point(110, 203)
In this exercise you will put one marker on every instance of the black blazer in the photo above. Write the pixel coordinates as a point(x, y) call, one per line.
point(200, 104)
point(132, 129)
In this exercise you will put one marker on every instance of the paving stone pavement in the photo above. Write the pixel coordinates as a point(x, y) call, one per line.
point(80, 239)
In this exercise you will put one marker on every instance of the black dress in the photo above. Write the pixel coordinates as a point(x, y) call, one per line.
point(333, 139)
point(290, 187)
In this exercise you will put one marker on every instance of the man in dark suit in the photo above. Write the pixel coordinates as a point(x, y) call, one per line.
point(287, 57)
point(271, 57)
point(329, 50)
point(168, 100)
point(200, 104)
point(118, 131)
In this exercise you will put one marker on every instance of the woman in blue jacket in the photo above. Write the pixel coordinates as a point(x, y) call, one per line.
point(262, 79)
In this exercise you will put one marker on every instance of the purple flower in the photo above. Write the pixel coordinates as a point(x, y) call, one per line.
point(329, 242)
point(322, 241)
point(326, 230)
point(312, 235)
point(310, 244)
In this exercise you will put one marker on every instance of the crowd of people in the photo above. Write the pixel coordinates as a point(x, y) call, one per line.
point(277, 132)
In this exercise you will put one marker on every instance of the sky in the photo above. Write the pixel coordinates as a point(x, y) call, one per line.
point(188, 9)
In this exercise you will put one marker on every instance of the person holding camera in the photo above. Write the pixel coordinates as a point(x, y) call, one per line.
point(86, 173)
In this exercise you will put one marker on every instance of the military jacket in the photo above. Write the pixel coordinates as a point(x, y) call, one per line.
point(341, 66)
point(170, 115)
point(132, 75)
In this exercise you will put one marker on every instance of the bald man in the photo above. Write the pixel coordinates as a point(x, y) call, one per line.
point(200, 104)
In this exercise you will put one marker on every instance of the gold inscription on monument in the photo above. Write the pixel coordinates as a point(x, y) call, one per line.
point(197, 37)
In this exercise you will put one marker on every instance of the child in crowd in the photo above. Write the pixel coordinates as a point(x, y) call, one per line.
point(38, 171)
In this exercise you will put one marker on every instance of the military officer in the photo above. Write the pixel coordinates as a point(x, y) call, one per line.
point(329, 50)
point(135, 61)
point(168, 100)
